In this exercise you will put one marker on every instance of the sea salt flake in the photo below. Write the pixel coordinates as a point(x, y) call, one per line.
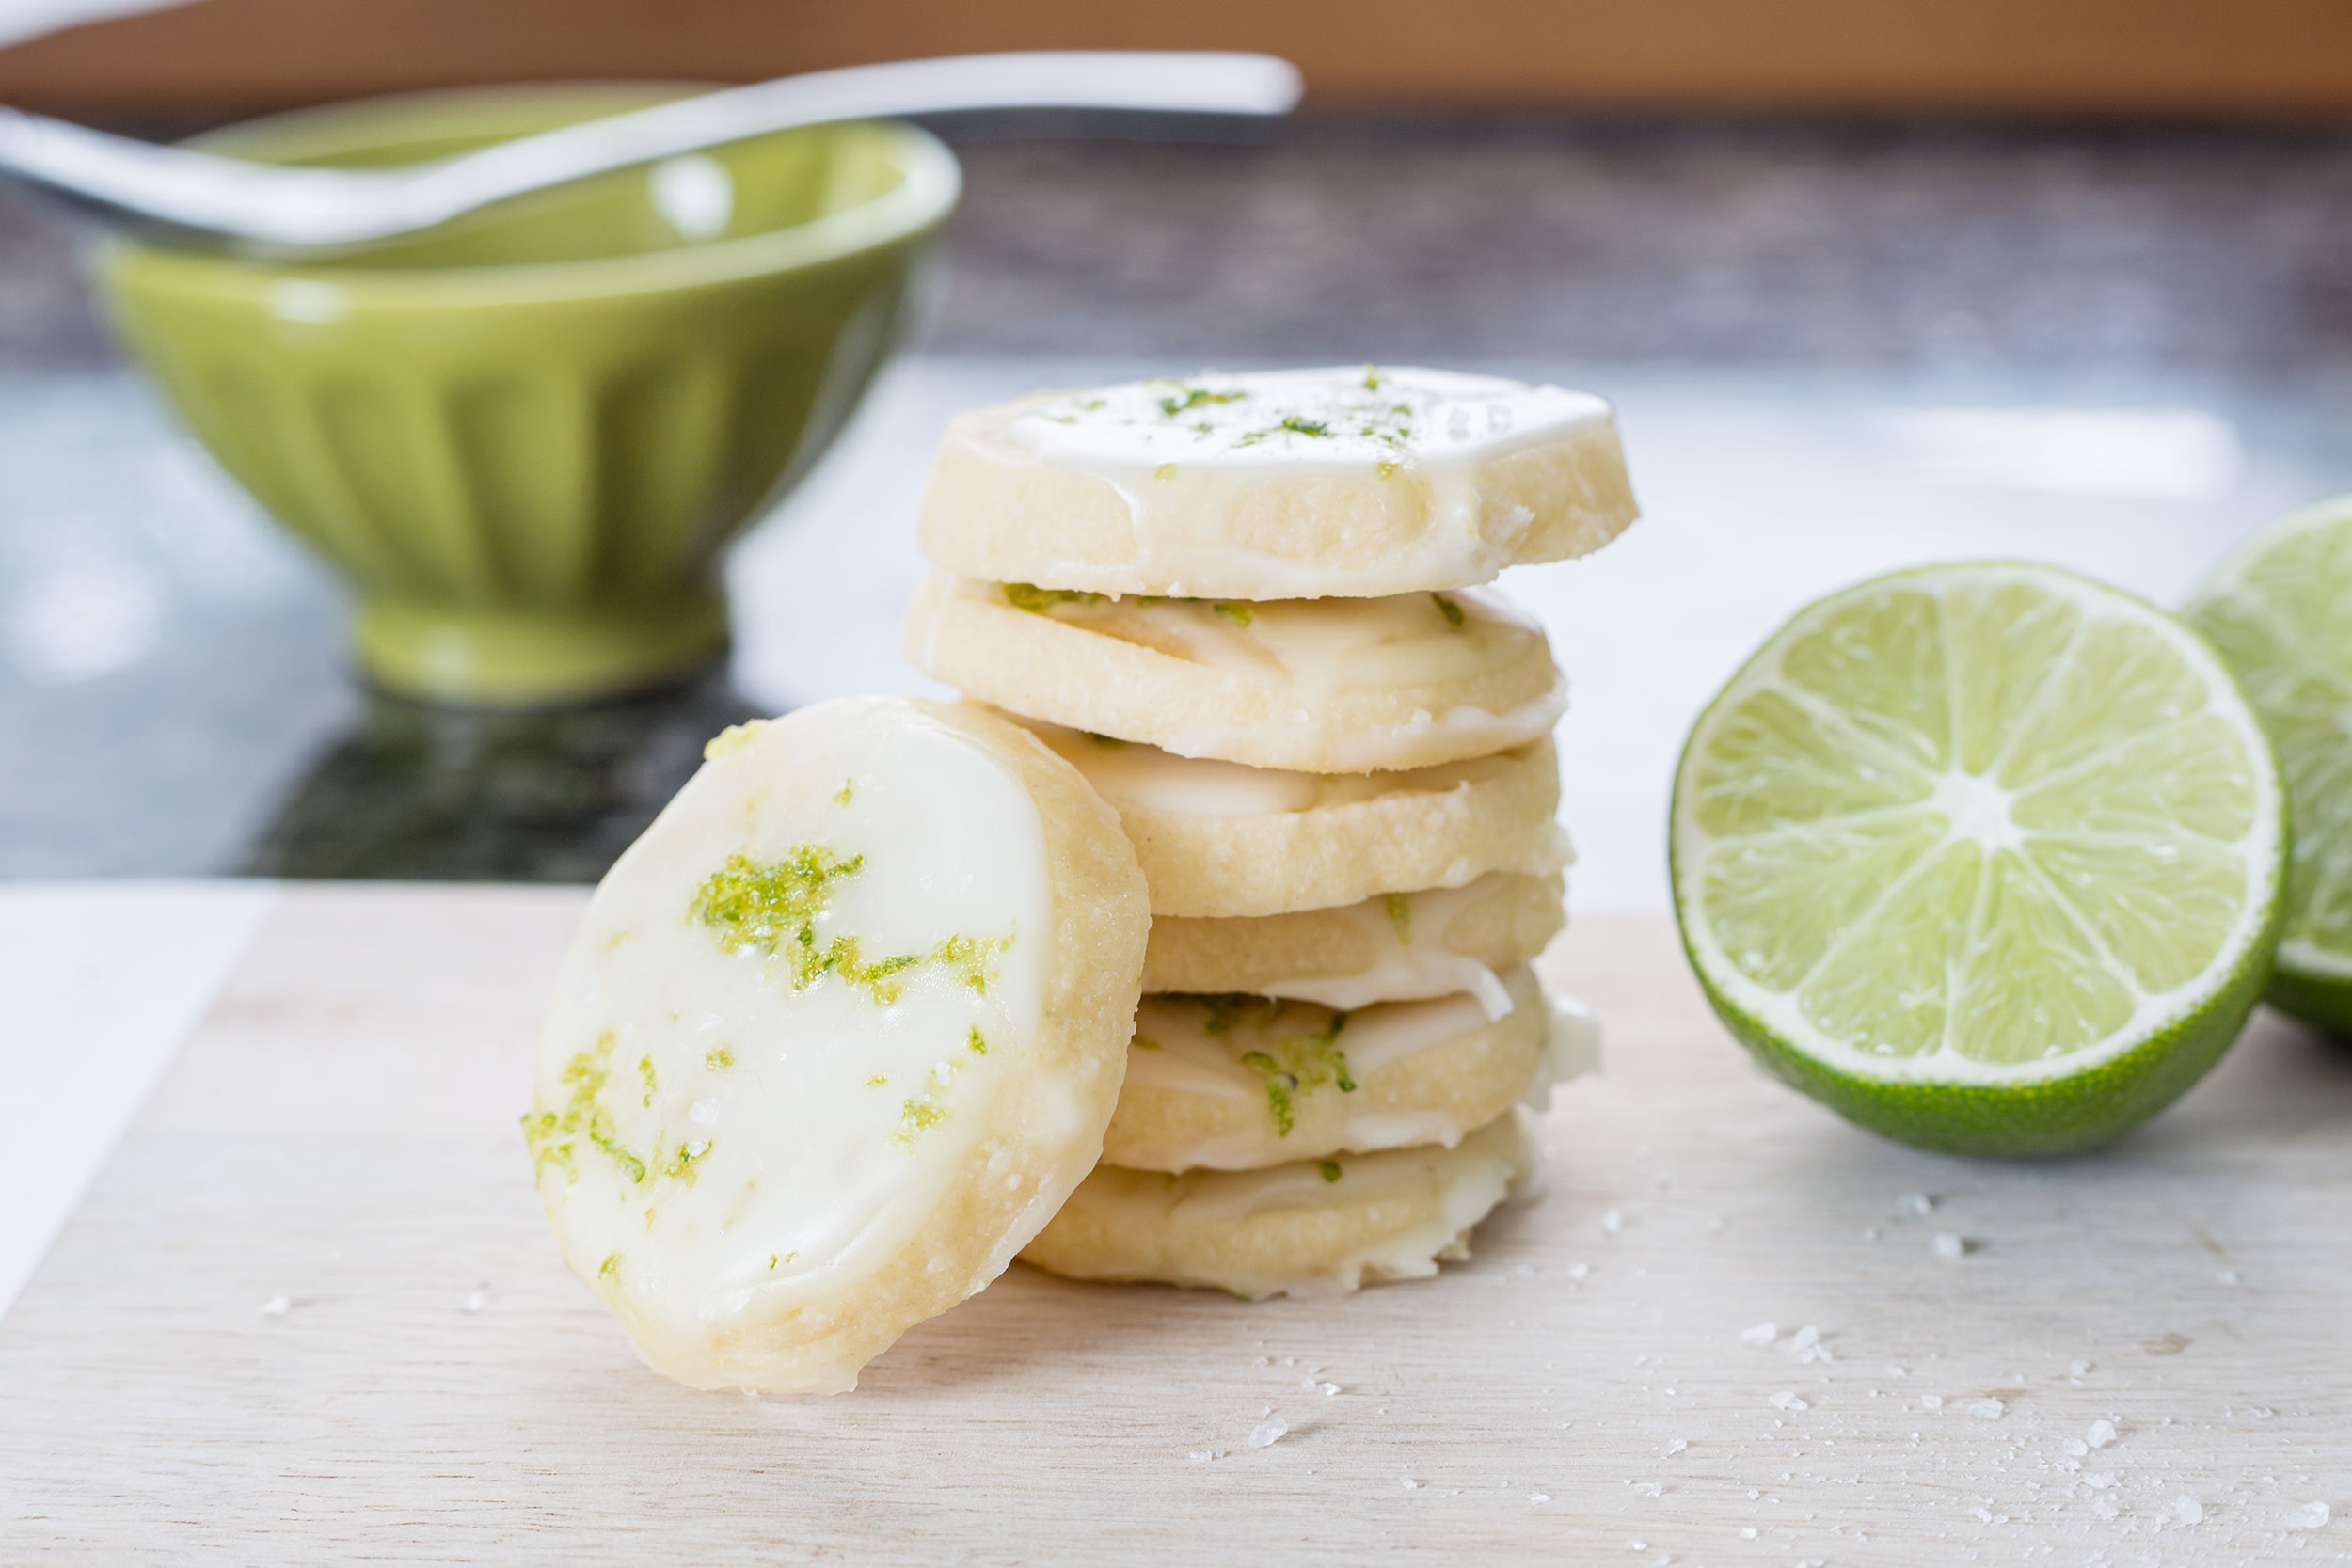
point(474, 1302)
point(2103, 1507)
point(1537, 1498)
point(1409, 1484)
point(1326, 1390)
point(1267, 1431)
point(1932, 1402)
point(1915, 1203)
point(1647, 1489)
point(277, 1306)
point(2187, 1509)
point(1612, 1221)
point(2100, 1434)
point(1787, 1400)
point(1763, 1334)
point(2079, 1368)
point(1949, 1246)
point(2311, 1515)
point(1986, 1410)
point(2228, 1276)
point(2100, 1482)
point(2076, 1447)
point(1202, 1456)
point(1747, 1533)
point(1676, 1445)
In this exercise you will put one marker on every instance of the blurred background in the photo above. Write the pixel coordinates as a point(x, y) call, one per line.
point(1871, 281)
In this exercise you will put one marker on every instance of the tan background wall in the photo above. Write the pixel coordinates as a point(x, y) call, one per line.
point(2228, 59)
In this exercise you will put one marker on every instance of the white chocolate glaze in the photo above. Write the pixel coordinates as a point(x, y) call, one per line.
point(1179, 452)
point(723, 1135)
point(1144, 775)
point(1408, 929)
point(1203, 1046)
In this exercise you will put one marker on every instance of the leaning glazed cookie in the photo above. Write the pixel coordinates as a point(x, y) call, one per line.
point(1312, 1228)
point(1237, 1082)
point(1394, 947)
point(1352, 482)
point(837, 1036)
point(1320, 686)
point(1221, 840)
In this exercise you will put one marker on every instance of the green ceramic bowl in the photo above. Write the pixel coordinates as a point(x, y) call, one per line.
point(525, 439)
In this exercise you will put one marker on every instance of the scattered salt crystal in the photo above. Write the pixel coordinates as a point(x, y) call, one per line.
point(2189, 1509)
point(277, 1306)
point(1787, 1400)
point(1647, 1488)
point(1870, 1232)
point(475, 1301)
point(1763, 1334)
point(1200, 1456)
point(1637, 1545)
point(1933, 1402)
point(2103, 1507)
point(1410, 1485)
point(2076, 1447)
point(2263, 1412)
point(1612, 1221)
point(1326, 1390)
point(1262, 1361)
point(1915, 1203)
point(1676, 1445)
point(1267, 1431)
point(1806, 1337)
point(1747, 1533)
point(2229, 1277)
point(1536, 1498)
point(2309, 1517)
point(1578, 1271)
point(2101, 1481)
point(2100, 1434)
point(1949, 1245)
point(1986, 1410)
point(2079, 1368)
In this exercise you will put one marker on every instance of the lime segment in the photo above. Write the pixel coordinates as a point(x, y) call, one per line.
point(1990, 858)
point(2280, 608)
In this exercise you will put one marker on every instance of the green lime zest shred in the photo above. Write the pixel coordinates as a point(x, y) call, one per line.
point(611, 1266)
point(1400, 908)
point(1451, 611)
point(1237, 613)
point(1039, 601)
point(1329, 1169)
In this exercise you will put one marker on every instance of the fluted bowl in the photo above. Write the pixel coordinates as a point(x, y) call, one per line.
point(525, 439)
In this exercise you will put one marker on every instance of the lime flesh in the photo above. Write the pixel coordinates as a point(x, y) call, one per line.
point(2280, 608)
point(1987, 858)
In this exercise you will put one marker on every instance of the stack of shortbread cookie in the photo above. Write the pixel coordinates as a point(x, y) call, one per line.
point(1245, 607)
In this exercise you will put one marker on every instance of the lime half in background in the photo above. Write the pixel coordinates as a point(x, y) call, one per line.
point(2280, 608)
point(1987, 858)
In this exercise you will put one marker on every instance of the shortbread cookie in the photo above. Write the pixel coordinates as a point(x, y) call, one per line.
point(1220, 840)
point(837, 1036)
point(1312, 1228)
point(1237, 1082)
point(1321, 686)
point(1280, 484)
point(1392, 947)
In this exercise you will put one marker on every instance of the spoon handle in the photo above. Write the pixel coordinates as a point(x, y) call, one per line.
point(321, 208)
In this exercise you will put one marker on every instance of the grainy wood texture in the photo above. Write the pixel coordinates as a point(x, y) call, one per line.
point(340, 1131)
point(2251, 58)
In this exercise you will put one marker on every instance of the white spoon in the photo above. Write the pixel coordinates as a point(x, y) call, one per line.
point(206, 196)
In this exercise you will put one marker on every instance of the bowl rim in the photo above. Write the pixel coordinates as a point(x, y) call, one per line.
point(932, 182)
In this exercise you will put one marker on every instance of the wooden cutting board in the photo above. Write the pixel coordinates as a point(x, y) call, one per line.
point(340, 1132)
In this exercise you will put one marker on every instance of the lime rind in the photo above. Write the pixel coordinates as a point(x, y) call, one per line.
point(2161, 1006)
point(2278, 607)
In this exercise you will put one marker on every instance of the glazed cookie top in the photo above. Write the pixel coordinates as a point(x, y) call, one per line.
point(1350, 482)
point(819, 1062)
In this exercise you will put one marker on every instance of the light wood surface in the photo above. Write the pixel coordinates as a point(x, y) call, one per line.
point(2251, 58)
point(340, 1131)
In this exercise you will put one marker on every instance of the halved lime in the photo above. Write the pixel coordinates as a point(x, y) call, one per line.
point(1988, 858)
point(2280, 608)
